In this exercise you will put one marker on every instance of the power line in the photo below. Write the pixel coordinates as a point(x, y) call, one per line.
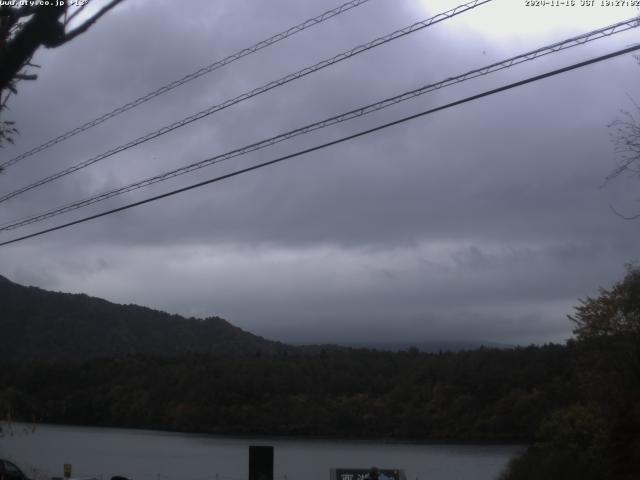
point(257, 91)
point(334, 142)
point(189, 77)
point(528, 56)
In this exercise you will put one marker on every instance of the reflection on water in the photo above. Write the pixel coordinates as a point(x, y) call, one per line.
point(150, 455)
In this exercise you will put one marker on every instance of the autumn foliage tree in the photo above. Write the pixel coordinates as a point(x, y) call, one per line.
point(615, 312)
point(610, 324)
point(598, 436)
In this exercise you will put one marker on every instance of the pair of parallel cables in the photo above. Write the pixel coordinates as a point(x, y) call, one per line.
point(415, 27)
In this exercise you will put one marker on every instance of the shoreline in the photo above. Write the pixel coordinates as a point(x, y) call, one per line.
point(285, 438)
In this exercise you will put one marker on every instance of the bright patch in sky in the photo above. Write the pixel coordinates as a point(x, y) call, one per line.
point(527, 18)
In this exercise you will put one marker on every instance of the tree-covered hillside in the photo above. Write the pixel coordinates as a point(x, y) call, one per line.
point(485, 395)
point(38, 324)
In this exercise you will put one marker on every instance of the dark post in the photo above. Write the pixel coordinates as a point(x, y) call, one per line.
point(260, 462)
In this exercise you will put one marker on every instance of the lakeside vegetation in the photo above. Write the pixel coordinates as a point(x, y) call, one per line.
point(484, 395)
point(597, 436)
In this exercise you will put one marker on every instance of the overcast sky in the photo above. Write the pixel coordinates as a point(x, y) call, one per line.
point(484, 222)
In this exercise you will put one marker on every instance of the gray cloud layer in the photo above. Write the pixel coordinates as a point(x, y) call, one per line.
point(486, 221)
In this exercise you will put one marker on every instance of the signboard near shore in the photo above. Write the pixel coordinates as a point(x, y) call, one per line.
point(364, 474)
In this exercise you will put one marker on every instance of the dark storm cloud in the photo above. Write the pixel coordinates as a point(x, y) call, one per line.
point(484, 221)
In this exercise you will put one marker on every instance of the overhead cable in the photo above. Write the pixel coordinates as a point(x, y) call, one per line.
point(257, 91)
point(189, 77)
point(359, 112)
point(334, 142)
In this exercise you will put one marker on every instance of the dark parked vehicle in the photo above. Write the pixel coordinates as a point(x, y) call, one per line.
point(8, 471)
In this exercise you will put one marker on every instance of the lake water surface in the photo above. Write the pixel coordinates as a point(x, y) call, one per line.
point(152, 455)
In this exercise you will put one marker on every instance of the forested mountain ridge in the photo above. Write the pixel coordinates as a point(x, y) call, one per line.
point(37, 324)
point(485, 395)
point(71, 358)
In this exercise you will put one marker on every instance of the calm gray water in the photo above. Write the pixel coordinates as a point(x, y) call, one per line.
point(151, 455)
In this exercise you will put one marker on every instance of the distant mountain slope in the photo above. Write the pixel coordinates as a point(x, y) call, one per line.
point(433, 346)
point(44, 325)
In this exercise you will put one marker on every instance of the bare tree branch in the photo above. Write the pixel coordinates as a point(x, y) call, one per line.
point(78, 10)
point(11, 16)
point(626, 138)
point(626, 217)
point(26, 10)
point(25, 29)
point(42, 29)
point(26, 76)
point(17, 13)
point(3, 103)
point(85, 26)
